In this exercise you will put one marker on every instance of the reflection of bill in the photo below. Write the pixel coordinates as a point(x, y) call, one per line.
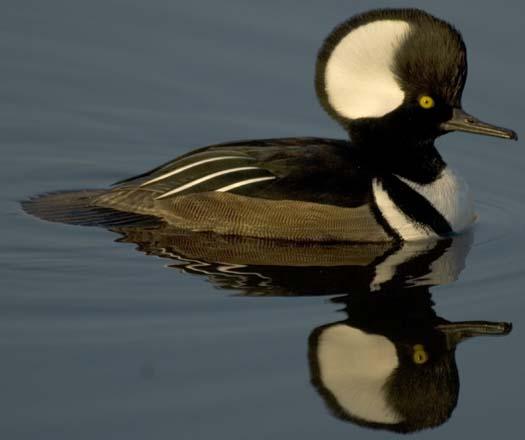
point(391, 364)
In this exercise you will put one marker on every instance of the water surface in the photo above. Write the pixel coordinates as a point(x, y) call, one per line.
point(99, 340)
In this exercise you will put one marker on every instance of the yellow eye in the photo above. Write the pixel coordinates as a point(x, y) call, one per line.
point(426, 102)
point(420, 356)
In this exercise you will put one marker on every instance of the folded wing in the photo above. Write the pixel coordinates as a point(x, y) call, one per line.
point(294, 189)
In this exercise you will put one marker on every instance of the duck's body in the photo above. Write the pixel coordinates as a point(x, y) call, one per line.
point(301, 189)
point(393, 79)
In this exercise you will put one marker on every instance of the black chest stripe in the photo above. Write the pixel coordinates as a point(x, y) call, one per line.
point(415, 206)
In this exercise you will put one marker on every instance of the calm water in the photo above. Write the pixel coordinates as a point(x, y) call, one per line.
point(101, 341)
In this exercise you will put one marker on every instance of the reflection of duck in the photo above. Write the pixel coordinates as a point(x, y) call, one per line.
point(269, 267)
point(391, 363)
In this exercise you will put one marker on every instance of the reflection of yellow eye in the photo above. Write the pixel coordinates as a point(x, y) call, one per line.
point(426, 102)
point(420, 356)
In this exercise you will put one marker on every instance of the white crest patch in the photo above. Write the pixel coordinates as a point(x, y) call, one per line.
point(450, 195)
point(354, 366)
point(359, 80)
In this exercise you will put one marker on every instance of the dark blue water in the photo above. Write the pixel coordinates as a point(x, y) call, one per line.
point(101, 341)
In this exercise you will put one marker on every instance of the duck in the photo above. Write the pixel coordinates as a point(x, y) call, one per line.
point(393, 79)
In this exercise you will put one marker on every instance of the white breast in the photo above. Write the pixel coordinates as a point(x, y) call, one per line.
point(449, 195)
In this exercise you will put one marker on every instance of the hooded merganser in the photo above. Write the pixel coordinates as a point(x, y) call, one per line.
point(393, 79)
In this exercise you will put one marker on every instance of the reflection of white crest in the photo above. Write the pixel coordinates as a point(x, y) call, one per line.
point(359, 81)
point(353, 367)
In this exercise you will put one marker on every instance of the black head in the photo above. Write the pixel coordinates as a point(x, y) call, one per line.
point(396, 75)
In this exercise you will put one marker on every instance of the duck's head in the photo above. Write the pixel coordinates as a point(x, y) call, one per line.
point(397, 74)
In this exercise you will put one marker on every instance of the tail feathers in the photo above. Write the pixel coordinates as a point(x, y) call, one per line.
point(76, 208)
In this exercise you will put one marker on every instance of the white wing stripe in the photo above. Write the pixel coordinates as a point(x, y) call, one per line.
point(191, 165)
point(243, 182)
point(204, 179)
